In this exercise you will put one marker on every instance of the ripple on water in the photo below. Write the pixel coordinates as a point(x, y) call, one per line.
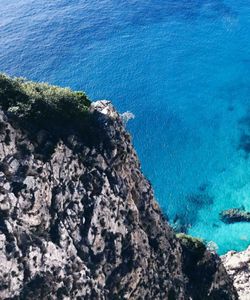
point(181, 67)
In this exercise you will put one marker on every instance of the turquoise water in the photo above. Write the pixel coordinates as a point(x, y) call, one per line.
point(182, 67)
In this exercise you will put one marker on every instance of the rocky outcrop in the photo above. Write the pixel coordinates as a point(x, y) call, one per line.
point(238, 266)
point(234, 215)
point(202, 268)
point(78, 220)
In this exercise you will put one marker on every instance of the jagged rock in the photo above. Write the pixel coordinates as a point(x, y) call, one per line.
point(79, 221)
point(234, 215)
point(237, 265)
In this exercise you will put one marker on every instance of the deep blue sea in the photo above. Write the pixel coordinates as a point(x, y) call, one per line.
point(182, 67)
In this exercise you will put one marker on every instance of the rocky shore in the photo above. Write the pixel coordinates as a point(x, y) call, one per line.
point(237, 265)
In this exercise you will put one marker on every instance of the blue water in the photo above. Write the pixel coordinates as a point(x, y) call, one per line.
point(181, 66)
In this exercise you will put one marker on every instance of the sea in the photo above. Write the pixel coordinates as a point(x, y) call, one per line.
point(181, 67)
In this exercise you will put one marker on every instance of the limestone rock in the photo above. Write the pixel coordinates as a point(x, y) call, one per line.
point(237, 265)
point(78, 220)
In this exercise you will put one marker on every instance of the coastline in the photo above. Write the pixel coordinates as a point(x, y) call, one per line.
point(237, 265)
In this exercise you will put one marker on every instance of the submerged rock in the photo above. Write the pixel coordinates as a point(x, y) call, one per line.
point(179, 225)
point(244, 143)
point(200, 199)
point(234, 215)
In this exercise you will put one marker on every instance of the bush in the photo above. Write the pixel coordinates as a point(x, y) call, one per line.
point(41, 102)
point(191, 244)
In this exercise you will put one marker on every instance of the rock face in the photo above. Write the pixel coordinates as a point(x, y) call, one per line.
point(78, 220)
point(238, 266)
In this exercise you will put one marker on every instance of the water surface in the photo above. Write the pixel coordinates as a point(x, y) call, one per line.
point(181, 66)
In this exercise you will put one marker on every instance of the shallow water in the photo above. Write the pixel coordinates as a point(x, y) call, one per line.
point(182, 67)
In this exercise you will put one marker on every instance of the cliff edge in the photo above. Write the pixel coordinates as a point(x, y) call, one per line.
point(78, 220)
point(237, 265)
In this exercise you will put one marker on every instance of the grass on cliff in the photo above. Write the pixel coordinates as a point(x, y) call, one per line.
point(40, 102)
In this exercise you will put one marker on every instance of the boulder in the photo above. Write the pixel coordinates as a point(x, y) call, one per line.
point(234, 215)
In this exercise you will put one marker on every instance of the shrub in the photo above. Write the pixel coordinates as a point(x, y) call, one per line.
point(191, 244)
point(41, 102)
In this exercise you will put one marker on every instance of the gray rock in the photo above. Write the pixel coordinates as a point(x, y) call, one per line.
point(237, 265)
point(82, 222)
point(234, 215)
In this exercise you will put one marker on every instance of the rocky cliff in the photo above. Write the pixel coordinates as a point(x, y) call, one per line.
point(78, 220)
point(238, 266)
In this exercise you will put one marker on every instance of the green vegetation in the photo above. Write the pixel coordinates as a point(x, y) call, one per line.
point(192, 244)
point(40, 102)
